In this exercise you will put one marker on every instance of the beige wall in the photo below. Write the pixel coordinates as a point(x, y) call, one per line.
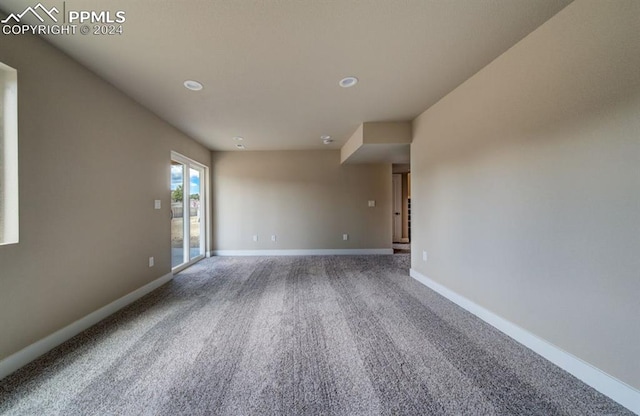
point(353, 144)
point(526, 186)
point(92, 162)
point(387, 132)
point(306, 198)
point(378, 142)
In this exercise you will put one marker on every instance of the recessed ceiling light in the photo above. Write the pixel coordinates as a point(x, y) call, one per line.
point(193, 85)
point(348, 82)
point(240, 146)
point(238, 138)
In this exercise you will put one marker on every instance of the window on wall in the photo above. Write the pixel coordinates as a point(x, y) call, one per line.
point(8, 155)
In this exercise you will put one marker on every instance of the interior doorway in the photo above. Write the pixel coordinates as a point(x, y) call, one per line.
point(401, 200)
point(397, 208)
point(188, 211)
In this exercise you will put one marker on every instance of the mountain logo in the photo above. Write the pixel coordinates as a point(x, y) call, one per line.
point(34, 11)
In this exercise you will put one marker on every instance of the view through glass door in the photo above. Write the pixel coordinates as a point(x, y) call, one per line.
point(187, 211)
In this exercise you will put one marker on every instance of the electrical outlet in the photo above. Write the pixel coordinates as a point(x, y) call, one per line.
point(151, 261)
point(345, 237)
point(273, 238)
point(157, 204)
point(372, 204)
point(424, 256)
point(255, 238)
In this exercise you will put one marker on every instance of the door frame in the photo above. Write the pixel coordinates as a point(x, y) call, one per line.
point(186, 209)
point(396, 211)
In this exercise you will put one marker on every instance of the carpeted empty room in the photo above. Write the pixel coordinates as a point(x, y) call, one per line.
point(321, 335)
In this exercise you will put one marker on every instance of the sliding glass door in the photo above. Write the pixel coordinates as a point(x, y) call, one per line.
point(177, 220)
point(188, 200)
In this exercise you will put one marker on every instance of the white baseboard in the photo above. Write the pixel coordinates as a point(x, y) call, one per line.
point(590, 375)
point(312, 252)
point(38, 348)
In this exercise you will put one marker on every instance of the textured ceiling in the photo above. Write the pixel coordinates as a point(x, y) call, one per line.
point(271, 68)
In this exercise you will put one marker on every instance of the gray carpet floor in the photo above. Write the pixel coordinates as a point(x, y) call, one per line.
point(296, 336)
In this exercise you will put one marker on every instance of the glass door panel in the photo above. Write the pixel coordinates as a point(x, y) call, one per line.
point(195, 213)
point(177, 214)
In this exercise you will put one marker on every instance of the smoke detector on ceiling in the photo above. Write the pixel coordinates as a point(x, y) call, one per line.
point(326, 139)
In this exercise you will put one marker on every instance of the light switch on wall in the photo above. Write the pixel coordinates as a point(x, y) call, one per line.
point(372, 204)
point(157, 204)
